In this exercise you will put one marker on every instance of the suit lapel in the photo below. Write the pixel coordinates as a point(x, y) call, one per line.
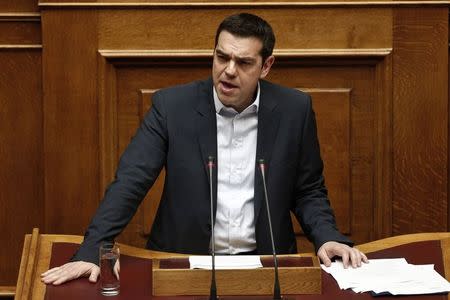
point(268, 121)
point(207, 131)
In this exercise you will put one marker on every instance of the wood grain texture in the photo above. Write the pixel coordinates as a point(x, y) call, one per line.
point(21, 178)
point(23, 270)
point(19, 6)
point(70, 119)
point(107, 116)
point(28, 265)
point(7, 291)
point(383, 150)
point(295, 28)
point(420, 117)
point(259, 281)
point(19, 32)
point(332, 108)
point(445, 245)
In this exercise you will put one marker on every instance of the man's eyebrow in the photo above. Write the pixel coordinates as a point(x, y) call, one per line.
point(240, 58)
point(221, 52)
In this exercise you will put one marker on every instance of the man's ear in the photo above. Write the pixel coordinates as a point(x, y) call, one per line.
point(266, 66)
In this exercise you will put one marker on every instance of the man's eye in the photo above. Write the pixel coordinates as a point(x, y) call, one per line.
point(221, 57)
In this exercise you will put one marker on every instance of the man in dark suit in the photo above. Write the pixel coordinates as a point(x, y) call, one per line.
point(238, 118)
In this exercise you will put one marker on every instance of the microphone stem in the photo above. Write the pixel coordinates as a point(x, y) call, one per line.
point(276, 286)
point(213, 290)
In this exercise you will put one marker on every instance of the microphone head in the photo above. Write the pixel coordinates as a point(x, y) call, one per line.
point(262, 164)
point(211, 161)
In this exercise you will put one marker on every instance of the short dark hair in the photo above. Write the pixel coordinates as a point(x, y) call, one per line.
point(248, 25)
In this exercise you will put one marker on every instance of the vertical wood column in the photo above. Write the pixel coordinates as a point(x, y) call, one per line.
point(70, 119)
point(21, 164)
point(420, 108)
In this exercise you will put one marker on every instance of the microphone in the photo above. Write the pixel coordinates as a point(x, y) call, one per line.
point(276, 285)
point(213, 289)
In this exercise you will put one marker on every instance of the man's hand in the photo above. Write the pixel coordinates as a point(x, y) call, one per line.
point(70, 271)
point(348, 254)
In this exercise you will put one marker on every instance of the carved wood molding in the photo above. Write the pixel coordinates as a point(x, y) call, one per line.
point(234, 4)
point(207, 53)
point(17, 46)
point(20, 17)
point(383, 191)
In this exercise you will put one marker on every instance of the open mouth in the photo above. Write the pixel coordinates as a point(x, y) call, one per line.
point(227, 87)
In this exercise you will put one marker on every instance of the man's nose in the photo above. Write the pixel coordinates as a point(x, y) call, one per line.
point(231, 68)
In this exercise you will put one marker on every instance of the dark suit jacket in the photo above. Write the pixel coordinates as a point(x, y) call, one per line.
point(179, 133)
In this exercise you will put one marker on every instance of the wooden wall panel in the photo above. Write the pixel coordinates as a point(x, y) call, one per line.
point(305, 28)
point(21, 152)
point(420, 110)
point(71, 124)
point(357, 75)
point(19, 32)
point(332, 108)
point(14, 6)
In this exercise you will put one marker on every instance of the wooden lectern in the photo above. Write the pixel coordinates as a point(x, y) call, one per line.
point(42, 251)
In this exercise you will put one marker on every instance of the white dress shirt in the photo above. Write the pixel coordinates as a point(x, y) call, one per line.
point(234, 228)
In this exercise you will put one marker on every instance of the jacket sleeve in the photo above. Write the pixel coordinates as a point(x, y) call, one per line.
point(138, 168)
point(312, 207)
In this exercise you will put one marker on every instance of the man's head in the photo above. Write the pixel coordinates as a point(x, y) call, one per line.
point(246, 25)
point(242, 55)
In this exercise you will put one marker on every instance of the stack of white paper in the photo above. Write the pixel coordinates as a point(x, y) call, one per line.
point(226, 262)
point(393, 276)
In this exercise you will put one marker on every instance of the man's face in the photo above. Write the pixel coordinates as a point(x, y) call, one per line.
point(237, 67)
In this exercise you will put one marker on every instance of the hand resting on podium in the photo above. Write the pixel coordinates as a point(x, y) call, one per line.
point(70, 271)
point(350, 256)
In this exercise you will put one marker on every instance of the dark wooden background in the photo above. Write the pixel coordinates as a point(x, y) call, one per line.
point(76, 78)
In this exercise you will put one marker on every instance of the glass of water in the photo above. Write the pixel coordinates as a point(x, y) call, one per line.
point(109, 269)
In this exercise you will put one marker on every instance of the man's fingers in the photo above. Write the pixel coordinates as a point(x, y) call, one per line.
point(354, 258)
point(48, 272)
point(350, 256)
point(322, 254)
point(68, 272)
point(94, 274)
point(364, 258)
point(345, 258)
point(56, 277)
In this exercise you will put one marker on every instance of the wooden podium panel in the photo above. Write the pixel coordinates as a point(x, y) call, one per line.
point(298, 274)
